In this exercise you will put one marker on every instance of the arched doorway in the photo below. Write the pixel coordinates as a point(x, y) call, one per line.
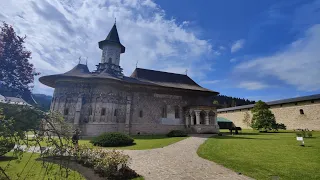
point(193, 118)
point(212, 117)
point(202, 117)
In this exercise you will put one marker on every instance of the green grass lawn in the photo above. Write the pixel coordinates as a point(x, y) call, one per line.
point(141, 142)
point(263, 155)
point(29, 168)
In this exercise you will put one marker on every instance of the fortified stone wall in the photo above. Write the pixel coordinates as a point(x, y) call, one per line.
point(288, 114)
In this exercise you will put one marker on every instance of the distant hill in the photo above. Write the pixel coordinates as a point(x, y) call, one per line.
point(227, 101)
point(42, 101)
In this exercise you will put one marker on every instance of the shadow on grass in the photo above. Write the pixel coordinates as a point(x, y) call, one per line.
point(7, 158)
point(149, 137)
point(135, 137)
point(238, 137)
point(87, 172)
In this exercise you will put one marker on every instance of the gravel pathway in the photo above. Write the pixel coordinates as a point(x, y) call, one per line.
point(179, 161)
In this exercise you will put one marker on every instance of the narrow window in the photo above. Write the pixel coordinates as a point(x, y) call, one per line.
point(280, 105)
point(66, 111)
point(115, 112)
point(110, 60)
point(176, 112)
point(141, 114)
point(103, 111)
point(301, 111)
point(312, 101)
point(164, 112)
point(90, 111)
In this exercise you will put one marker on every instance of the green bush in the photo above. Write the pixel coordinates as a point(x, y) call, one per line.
point(309, 133)
point(113, 139)
point(6, 145)
point(177, 133)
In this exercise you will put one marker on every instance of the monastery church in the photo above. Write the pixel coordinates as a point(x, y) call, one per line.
point(147, 102)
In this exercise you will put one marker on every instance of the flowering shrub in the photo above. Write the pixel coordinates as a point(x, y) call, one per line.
point(107, 163)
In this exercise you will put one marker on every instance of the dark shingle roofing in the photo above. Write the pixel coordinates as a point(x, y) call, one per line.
point(79, 69)
point(277, 102)
point(167, 79)
point(139, 77)
point(112, 38)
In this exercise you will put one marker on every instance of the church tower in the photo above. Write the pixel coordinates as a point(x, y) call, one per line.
point(111, 50)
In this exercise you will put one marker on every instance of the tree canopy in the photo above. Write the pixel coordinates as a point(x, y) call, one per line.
point(16, 72)
point(263, 118)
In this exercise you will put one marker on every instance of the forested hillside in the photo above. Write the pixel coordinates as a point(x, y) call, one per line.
point(227, 101)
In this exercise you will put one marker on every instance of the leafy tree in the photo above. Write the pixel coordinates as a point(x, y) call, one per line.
point(25, 118)
point(16, 72)
point(246, 119)
point(263, 118)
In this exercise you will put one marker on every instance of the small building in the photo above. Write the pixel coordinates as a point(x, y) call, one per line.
point(296, 113)
point(16, 100)
point(2, 99)
point(147, 102)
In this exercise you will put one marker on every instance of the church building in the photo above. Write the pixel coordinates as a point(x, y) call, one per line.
point(147, 102)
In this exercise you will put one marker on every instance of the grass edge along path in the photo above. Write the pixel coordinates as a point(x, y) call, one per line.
point(264, 155)
point(142, 142)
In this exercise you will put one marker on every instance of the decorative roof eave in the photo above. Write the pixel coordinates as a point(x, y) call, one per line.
point(105, 42)
point(51, 81)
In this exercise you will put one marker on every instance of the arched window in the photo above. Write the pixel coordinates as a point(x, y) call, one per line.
point(90, 111)
point(103, 111)
point(176, 112)
point(141, 114)
point(110, 60)
point(66, 111)
point(115, 112)
point(301, 111)
point(164, 112)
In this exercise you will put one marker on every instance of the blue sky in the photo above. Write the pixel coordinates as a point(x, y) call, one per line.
point(254, 49)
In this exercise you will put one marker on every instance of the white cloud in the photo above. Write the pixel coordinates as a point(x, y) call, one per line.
point(233, 60)
point(236, 46)
point(210, 82)
point(252, 85)
point(59, 31)
point(297, 65)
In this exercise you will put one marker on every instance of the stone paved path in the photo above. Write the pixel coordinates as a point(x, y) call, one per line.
point(179, 161)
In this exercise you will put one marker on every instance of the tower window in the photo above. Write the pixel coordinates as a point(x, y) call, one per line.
point(103, 111)
point(164, 112)
point(176, 112)
point(110, 60)
point(141, 114)
point(90, 111)
point(301, 111)
point(66, 111)
point(115, 112)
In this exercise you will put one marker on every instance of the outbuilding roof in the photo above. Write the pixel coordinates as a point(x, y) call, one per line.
point(277, 102)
